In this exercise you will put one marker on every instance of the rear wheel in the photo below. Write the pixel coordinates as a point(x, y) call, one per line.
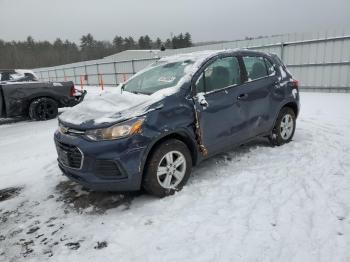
point(168, 168)
point(284, 128)
point(43, 109)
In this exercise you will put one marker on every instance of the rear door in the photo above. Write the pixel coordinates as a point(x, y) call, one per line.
point(257, 99)
point(221, 121)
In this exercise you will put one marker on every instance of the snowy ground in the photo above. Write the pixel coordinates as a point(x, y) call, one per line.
point(255, 203)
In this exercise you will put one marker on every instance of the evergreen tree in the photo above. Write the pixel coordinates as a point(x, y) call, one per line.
point(188, 40)
point(148, 42)
point(158, 43)
point(87, 41)
point(168, 43)
point(129, 43)
point(175, 42)
point(142, 42)
point(118, 43)
point(181, 43)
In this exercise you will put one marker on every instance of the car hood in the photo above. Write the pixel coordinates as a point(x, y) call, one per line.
point(109, 108)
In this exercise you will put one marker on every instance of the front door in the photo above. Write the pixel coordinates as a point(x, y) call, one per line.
point(221, 121)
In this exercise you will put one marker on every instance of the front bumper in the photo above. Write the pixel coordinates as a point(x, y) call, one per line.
point(105, 165)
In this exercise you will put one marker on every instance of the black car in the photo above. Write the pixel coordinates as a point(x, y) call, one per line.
point(22, 94)
point(174, 114)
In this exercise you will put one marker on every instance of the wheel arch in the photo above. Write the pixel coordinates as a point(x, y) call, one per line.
point(182, 136)
point(293, 106)
point(32, 99)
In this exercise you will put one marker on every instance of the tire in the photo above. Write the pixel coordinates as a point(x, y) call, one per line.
point(165, 172)
point(284, 128)
point(43, 109)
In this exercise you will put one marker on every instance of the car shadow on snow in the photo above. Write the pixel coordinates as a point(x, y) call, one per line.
point(80, 199)
point(7, 121)
point(10, 192)
point(13, 120)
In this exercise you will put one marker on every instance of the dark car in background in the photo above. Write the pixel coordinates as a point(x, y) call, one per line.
point(23, 95)
point(199, 105)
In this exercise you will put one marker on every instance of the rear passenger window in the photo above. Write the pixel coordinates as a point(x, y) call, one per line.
point(222, 73)
point(255, 67)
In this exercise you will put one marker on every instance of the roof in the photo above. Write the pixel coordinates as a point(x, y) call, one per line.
point(205, 55)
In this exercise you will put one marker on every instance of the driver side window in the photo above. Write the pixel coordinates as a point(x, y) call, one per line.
point(222, 73)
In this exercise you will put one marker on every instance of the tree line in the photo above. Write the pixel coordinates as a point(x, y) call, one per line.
point(33, 54)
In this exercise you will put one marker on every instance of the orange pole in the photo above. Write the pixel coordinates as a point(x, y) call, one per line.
point(102, 87)
point(81, 83)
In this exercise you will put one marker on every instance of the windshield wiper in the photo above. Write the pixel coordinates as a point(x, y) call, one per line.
point(136, 92)
point(142, 93)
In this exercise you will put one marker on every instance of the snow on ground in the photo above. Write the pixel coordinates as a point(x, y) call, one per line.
point(254, 203)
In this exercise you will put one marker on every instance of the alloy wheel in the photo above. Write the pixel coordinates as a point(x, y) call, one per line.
point(286, 126)
point(171, 169)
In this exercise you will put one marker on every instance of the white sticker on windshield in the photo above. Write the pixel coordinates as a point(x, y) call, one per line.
point(166, 79)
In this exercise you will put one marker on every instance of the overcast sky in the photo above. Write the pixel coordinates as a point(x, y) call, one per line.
point(204, 19)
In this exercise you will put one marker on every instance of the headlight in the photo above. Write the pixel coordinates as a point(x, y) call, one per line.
point(117, 131)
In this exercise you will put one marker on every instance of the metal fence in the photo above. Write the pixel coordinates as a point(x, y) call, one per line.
point(111, 73)
point(320, 64)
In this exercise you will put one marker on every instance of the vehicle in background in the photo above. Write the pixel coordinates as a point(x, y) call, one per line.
point(23, 95)
point(174, 114)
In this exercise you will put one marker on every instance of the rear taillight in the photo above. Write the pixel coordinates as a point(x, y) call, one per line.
point(294, 84)
point(72, 91)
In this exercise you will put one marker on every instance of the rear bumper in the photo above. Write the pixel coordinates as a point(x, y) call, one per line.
point(75, 100)
point(106, 165)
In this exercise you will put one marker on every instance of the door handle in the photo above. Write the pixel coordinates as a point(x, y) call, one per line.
point(242, 96)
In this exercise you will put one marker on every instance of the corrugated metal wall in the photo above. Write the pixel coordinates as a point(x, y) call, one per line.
point(320, 61)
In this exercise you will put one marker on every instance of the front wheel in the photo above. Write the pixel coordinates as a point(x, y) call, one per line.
point(284, 128)
point(168, 168)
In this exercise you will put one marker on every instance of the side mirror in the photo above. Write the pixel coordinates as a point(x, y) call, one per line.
point(201, 100)
point(203, 103)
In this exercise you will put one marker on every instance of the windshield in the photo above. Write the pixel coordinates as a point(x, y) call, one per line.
point(162, 74)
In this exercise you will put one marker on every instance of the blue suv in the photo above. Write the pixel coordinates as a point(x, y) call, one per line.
point(172, 115)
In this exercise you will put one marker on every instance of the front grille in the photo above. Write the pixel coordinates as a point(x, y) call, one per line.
point(69, 155)
point(108, 169)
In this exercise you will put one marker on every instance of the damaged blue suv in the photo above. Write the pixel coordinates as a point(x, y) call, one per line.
point(150, 131)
